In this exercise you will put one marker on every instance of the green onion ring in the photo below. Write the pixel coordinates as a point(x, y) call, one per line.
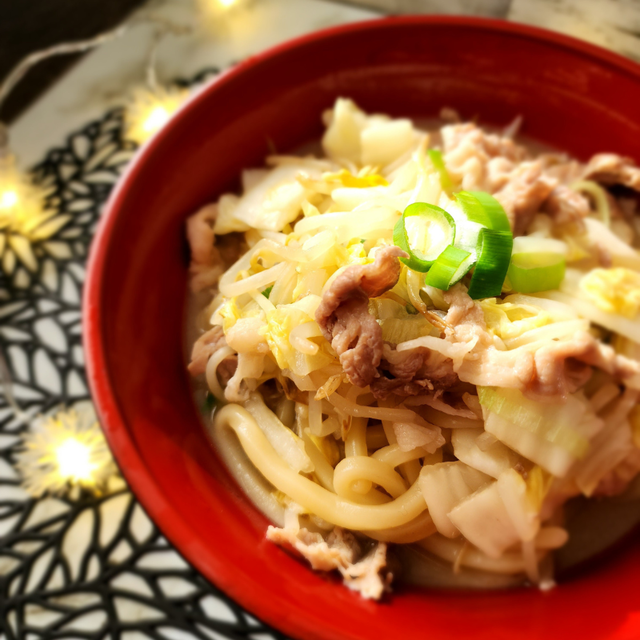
point(419, 260)
point(494, 256)
point(533, 272)
point(452, 264)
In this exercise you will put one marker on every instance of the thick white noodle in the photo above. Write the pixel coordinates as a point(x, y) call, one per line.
point(351, 470)
point(251, 481)
point(309, 494)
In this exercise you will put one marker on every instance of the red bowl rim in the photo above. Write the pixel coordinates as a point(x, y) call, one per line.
point(133, 466)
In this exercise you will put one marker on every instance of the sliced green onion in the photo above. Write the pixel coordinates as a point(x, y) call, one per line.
point(494, 255)
point(209, 404)
point(267, 292)
point(424, 231)
point(484, 209)
point(437, 161)
point(452, 264)
point(533, 272)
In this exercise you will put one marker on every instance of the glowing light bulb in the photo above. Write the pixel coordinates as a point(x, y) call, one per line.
point(158, 117)
point(65, 452)
point(227, 3)
point(149, 111)
point(74, 461)
point(8, 199)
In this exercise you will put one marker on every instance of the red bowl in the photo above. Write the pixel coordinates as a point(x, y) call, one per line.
point(572, 95)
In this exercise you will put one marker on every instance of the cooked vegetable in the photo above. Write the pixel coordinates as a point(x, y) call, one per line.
point(450, 267)
point(551, 435)
point(484, 209)
point(494, 255)
point(437, 161)
point(491, 458)
point(614, 290)
point(498, 516)
point(424, 231)
point(533, 272)
point(396, 363)
point(444, 485)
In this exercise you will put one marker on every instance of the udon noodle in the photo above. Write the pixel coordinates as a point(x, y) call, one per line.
point(428, 340)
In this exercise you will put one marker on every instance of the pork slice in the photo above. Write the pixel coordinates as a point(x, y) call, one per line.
point(357, 339)
point(462, 310)
point(522, 196)
point(477, 158)
point(200, 234)
point(563, 367)
point(340, 551)
point(344, 318)
point(204, 347)
point(566, 206)
point(383, 274)
point(369, 576)
point(561, 167)
point(470, 138)
point(556, 369)
point(611, 169)
point(498, 171)
point(412, 373)
point(206, 265)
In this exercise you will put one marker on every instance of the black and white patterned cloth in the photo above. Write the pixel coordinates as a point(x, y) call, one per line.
point(94, 567)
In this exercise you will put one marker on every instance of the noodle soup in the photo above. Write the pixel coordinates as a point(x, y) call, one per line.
point(425, 342)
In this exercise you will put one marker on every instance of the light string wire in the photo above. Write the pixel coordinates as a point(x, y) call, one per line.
point(31, 60)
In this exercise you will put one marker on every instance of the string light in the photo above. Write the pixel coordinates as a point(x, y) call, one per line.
point(66, 452)
point(151, 107)
point(149, 110)
point(24, 217)
point(215, 7)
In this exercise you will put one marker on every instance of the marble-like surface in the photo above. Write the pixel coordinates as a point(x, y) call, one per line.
point(489, 8)
point(614, 24)
point(217, 38)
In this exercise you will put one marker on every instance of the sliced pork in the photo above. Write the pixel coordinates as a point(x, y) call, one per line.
point(344, 318)
point(611, 169)
point(204, 347)
point(339, 551)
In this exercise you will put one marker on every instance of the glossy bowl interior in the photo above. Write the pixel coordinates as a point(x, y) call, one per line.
point(572, 96)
